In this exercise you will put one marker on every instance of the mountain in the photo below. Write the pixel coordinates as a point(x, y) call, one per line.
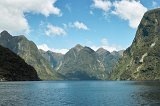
point(55, 59)
point(141, 61)
point(64, 63)
point(82, 63)
point(109, 60)
point(29, 52)
point(14, 68)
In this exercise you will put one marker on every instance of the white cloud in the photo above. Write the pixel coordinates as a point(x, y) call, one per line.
point(63, 51)
point(77, 24)
point(104, 5)
point(105, 44)
point(43, 47)
point(80, 25)
point(12, 13)
point(108, 48)
point(130, 10)
point(55, 31)
point(46, 48)
point(104, 41)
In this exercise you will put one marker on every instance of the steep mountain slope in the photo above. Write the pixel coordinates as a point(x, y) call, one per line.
point(108, 59)
point(55, 59)
point(13, 68)
point(81, 63)
point(141, 61)
point(30, 53)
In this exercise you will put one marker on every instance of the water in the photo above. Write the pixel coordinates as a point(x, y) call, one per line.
point(80, 93)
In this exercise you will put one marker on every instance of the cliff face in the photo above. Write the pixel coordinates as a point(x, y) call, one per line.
point(108, 59)
point(14, 68)
point(55, 59)
point(29, 52)
point(82, 63)
point(141, 61)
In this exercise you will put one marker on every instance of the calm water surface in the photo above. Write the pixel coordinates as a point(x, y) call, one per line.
point(80, 93)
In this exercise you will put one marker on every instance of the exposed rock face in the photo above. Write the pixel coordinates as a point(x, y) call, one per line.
point(109, 60)
point(141, 61)
point(14, 68)
point(55, 59)
point(29, 52)
point(82, 63)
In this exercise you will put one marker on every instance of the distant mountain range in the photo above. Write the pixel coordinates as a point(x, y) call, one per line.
point(79, 63)
point(83, 63)
point(141, 61)
point(109, 60)
point(54, 59)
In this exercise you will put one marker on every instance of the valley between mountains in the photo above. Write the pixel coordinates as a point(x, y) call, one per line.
point(20, 59)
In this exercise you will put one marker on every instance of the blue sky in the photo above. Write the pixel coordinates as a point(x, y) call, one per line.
point(59, 25)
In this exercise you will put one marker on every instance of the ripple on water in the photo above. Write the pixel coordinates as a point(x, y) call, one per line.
point(79, 93)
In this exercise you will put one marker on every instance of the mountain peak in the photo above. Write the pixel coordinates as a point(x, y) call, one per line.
point(102, 51)
point(5, 34)
point(140, 61)
point(4, 31)
point(78, 46)
point(22, 37)
point(88, 48)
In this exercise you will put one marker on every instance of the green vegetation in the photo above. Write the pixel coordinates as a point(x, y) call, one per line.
point(80, 63)
point(141, 61)
point(29, 52)
point(13, 68)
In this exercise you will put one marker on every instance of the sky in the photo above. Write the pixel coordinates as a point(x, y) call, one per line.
point(59, 25)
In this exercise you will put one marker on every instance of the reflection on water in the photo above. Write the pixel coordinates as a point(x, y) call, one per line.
point(80, 93)
point(149, 93)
